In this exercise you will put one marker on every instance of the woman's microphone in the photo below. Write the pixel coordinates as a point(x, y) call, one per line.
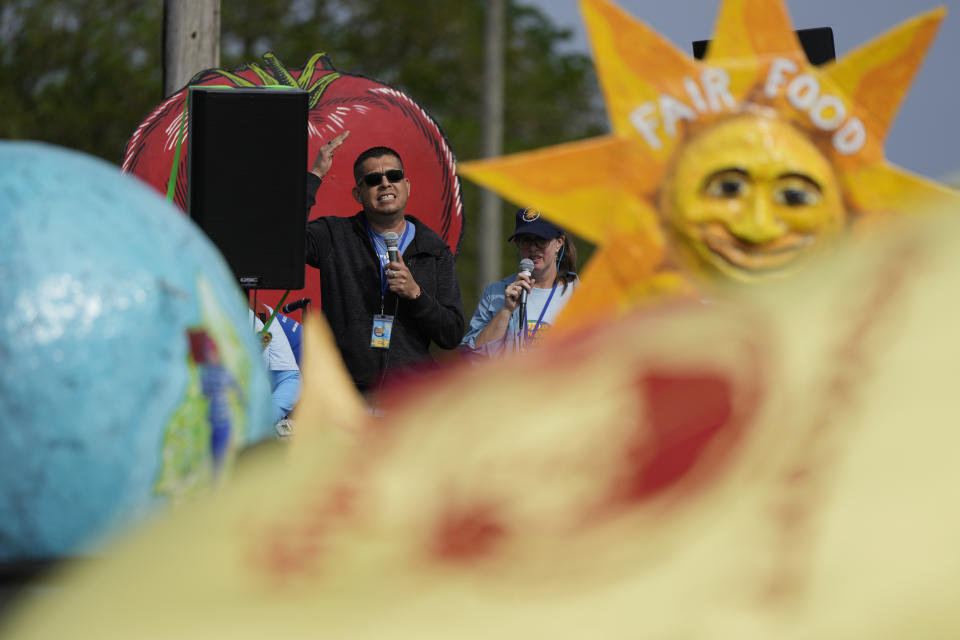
point(526, 268)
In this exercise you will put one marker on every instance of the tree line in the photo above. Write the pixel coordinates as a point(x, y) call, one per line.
point(84, 73)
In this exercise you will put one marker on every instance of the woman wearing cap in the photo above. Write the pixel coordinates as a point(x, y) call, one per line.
point(496, 324)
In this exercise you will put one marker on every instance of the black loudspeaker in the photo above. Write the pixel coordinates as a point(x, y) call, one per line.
point(246, 180)
point(817, 43)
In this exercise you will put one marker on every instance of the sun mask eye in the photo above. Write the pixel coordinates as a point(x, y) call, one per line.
point(727, 183)
point(797, 191)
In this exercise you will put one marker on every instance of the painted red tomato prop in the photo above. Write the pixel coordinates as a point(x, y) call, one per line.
point(374, 113)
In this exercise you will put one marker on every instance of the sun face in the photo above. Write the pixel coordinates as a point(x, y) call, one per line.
point(739, 167)
point(750, 198)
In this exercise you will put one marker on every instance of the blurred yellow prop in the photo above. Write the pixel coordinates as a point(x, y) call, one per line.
point(739, 166)
point(331, 402)
point(779, 466)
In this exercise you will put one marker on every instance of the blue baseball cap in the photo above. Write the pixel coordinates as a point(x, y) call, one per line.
point(530, 221)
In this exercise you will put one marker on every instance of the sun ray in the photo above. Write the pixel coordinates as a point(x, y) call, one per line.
point(752, 30)
point(604, 194)
point(881, 190)
point(747, 33)
point(624, 273)
point(625, 52)
point(330, 399)
point(878, 75)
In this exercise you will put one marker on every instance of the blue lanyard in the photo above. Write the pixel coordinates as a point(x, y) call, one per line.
point(536, 327)
point(376, 247)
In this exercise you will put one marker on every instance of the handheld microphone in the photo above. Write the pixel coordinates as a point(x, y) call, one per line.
point(526, 267)
point(290, 307)
point(392, 240)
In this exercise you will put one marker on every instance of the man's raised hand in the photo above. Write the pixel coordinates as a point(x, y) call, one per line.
point(324, 160)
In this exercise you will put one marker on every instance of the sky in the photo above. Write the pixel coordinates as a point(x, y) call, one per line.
point(925, 137)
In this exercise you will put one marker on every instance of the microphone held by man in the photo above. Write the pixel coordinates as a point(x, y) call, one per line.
point(392, 241)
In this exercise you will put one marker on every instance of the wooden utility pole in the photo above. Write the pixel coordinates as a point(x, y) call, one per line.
point(191, 40)
point(491, 234)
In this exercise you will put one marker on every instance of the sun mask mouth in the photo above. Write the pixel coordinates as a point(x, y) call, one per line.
point(751, 257)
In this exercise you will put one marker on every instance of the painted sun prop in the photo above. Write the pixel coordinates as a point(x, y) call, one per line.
point(735, 168)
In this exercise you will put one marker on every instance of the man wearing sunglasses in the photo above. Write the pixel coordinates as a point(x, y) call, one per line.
point(383, 312)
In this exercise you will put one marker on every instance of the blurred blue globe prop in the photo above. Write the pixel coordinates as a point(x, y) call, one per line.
point(123, 333)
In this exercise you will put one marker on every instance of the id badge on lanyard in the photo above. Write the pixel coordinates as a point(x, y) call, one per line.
point(382, 328)
point(382, 324)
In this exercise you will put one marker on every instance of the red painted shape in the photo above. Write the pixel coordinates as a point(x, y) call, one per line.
point(687, 415)
point(202, 347)
point(465, 534)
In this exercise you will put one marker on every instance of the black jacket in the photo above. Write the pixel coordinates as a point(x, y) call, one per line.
point(350, 294)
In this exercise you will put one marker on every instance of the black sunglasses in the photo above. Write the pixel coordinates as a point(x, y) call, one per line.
point(373, 179)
